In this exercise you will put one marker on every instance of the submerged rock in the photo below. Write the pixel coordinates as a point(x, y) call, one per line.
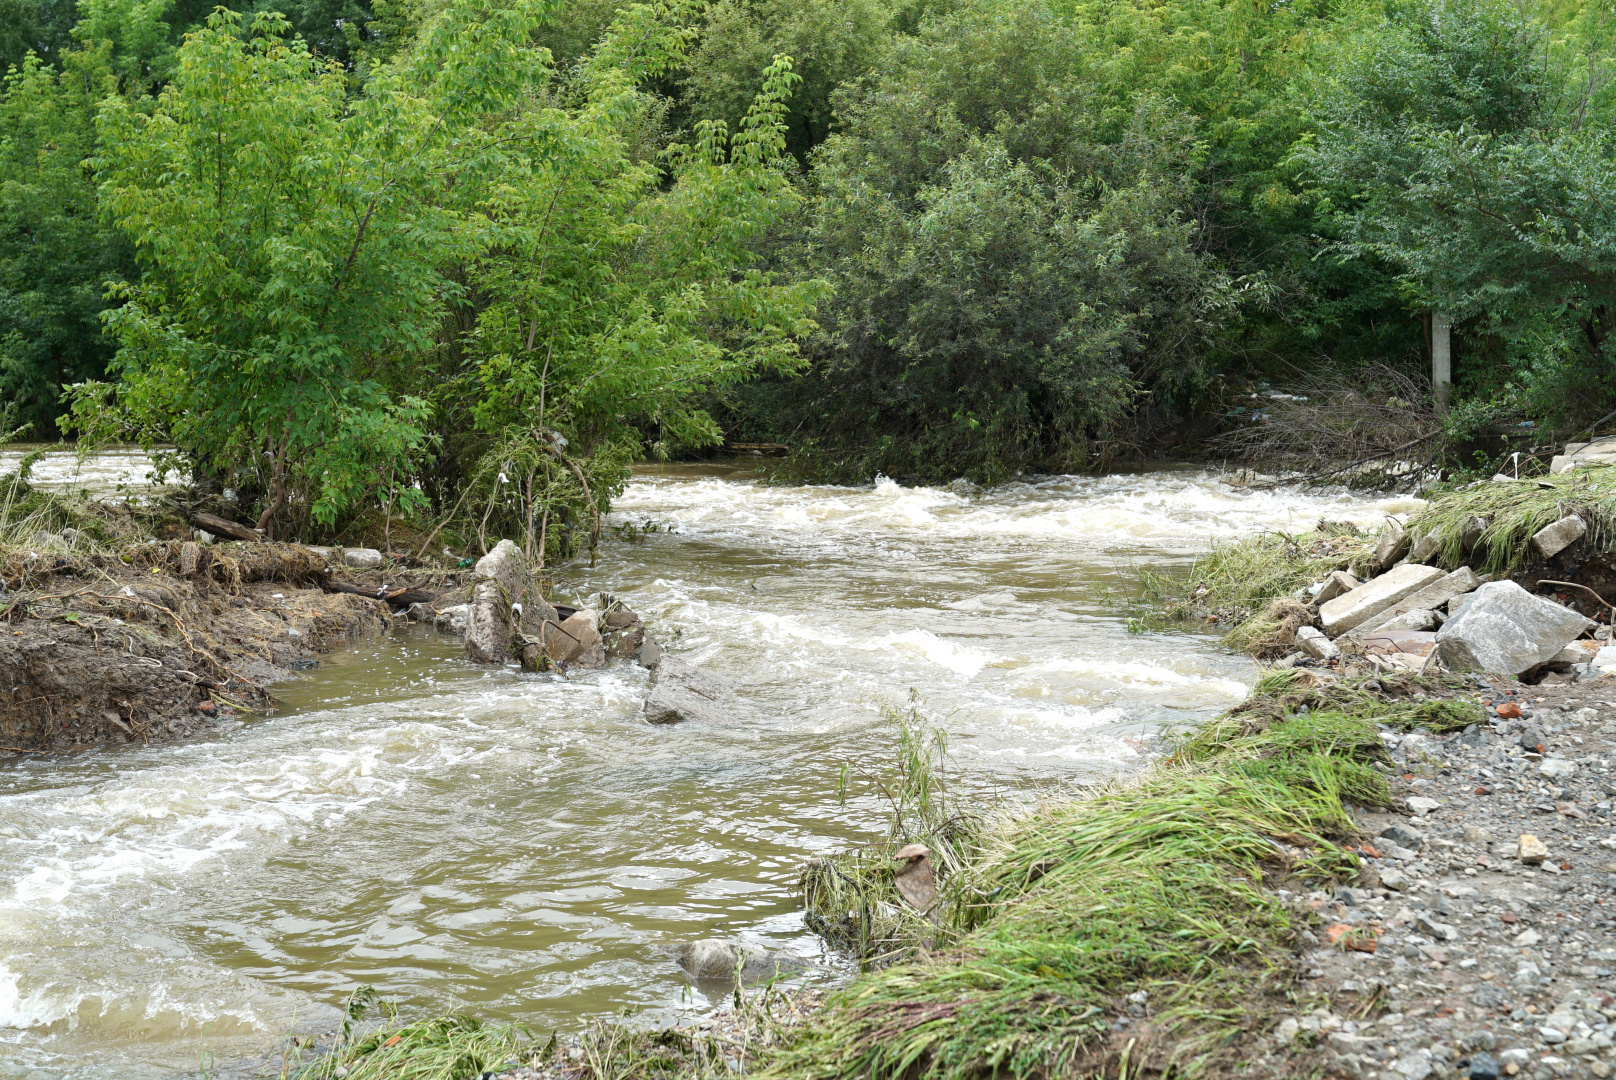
point(683, 694)
point(714, 958)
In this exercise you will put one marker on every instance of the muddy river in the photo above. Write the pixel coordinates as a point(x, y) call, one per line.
point(524, 846)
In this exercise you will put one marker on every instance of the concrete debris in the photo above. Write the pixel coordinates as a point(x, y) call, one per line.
point(1425, 548)
point(362, 558)
point(1316, 644)
point(681, 694)
point(1375, 596)
point(1505, 630)
point(1553, 539)
point(1392, 545)
point(1337, 584)
point(1435, 595)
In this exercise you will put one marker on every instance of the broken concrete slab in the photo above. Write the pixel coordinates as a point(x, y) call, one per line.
point(1578, 454)
point(1425, 548)
point(1505, 630)
point(1375, 596)
point(1337, 584)
point(1553, 539)
point(1315, 644)
point(1392, 545)
point(1433, 596)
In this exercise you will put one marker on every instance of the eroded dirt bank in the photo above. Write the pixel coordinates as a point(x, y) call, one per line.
point(164, 641)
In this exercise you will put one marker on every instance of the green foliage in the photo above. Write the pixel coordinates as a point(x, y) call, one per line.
point(1470, 146)
point(1012, 260)
point(1510, 513)
point(55, 253)
point(441, 1048)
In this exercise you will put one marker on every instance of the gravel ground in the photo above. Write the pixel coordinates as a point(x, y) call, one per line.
point(1458, 957)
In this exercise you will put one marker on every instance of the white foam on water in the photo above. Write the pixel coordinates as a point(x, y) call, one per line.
point(960, 659)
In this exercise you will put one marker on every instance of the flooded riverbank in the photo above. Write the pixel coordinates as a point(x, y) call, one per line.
point(523, 846)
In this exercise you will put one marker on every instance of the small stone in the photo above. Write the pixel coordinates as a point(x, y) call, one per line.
point(1394, 879)
point(1422, 805)
point(1532, 850)
point(1438, 930)
point(1475, 834)
point(1552, 1036)
point(1579, 1047)
point(1483, 1066)
point(1287, 1031)
point(1415, 1065)
point(1315, 644)
point(1527, 938)
point(1556, 768)
point(1516, 1056)
point(1532, 737)
point(1403, 836)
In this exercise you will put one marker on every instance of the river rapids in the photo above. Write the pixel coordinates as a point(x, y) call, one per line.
point(524, 846)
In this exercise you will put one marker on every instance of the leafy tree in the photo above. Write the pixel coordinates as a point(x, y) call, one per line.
point(294, 242)
point(473, 236)
point(1471, 148)
point(55, 253)
point(1013, 266)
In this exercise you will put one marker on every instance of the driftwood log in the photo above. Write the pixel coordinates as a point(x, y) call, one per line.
point(396, 595)
point(218, 526)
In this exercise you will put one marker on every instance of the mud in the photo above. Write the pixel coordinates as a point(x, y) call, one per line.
point(163, 641)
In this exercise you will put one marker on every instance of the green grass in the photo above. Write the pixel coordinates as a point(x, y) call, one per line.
point(1238, 585)
point(440, 1048)
point(1156, 885)
point(1513, 511)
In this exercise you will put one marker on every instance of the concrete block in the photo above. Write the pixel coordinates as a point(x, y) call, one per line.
point(1425, 548)
point(1433, 596)
point(1375, 596)
point(1315, 644)
point(1392, 545)
point(1553, 539)
point(1337, 584)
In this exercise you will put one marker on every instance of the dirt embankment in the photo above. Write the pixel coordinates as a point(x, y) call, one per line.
point(163, 641)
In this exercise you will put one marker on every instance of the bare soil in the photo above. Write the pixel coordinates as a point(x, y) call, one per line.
point(164, 641)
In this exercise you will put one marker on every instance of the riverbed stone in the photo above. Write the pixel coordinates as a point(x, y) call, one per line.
point(1505, 630)
point(683, 694)
point(1531, 850)
point(1435, 595)
point(1374, 596)
point(575, 644)
point(1553, 539)
point(715, 958)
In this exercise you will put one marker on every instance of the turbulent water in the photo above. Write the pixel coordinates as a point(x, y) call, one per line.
point(523, 846)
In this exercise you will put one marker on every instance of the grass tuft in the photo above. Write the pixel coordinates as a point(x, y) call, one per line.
point(441, 1048)
point(1512, 512)
point(1155, 886)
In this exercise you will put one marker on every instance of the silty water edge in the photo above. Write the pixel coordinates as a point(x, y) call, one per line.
point(523, 846)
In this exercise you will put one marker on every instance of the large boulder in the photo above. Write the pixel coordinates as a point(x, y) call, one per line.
point(1375, 596)
point(1433, 596)
point(684, 694)
point(505, 601)
point(1505, 630)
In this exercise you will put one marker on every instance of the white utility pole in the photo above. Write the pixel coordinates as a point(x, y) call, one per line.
point(1441, 359)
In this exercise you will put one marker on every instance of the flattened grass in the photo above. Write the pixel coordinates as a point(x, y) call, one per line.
point(1153, 886)
point(1513, 511)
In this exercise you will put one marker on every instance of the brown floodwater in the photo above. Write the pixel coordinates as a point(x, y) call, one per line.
point(524, 846)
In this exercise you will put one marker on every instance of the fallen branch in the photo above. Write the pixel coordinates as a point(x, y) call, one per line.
point(1584, 588)
point(218, 526)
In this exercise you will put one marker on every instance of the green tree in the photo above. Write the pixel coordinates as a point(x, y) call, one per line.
point(1013, 260)
point(293, 242)
point(1470, 146)
point(56, 254)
